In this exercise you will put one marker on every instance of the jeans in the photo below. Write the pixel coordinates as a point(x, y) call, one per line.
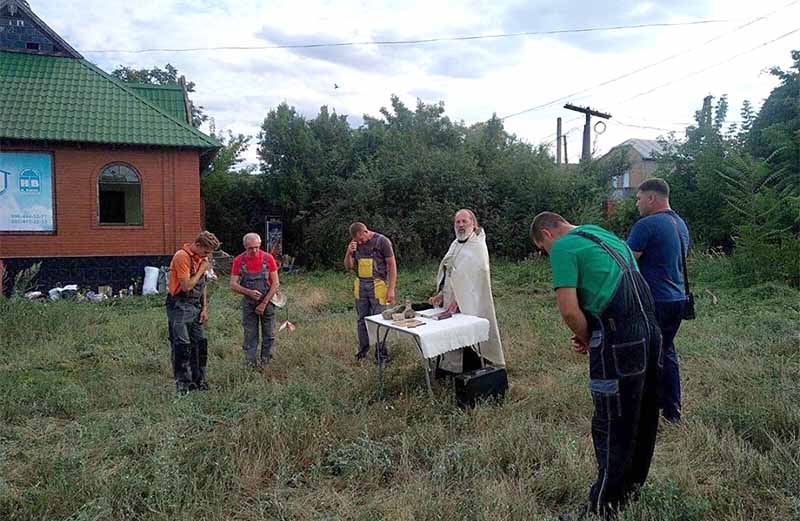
point(669, 316)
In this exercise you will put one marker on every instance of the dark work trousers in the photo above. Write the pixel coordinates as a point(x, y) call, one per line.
point(367, 304)
point(258, 280)
point(669, 316)
point(188, 342)
point(250, 323)
point(624, 367)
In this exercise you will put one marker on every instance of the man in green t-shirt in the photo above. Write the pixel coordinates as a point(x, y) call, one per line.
point(607, 304)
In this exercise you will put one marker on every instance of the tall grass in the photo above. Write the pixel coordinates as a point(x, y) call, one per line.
point(91, 428)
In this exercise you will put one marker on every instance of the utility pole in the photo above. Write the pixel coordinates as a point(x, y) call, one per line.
point(558, 141)
point(566, 159)
point(586, 153)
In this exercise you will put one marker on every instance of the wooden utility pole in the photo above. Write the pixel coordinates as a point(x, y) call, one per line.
point(558, 141)
point(566, 159)
point(586, 153)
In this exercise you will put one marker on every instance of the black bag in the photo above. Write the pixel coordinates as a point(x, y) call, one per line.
point(688, 310)
point(481, 384)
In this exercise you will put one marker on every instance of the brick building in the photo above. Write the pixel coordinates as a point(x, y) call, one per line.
point(98, 177)
point(641, 155)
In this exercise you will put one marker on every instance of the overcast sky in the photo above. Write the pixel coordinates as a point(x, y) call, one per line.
point(474, 79)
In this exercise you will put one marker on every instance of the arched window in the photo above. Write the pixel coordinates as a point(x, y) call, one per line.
point(119, 195)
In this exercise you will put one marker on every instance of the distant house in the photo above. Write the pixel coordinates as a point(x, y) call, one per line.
point(641, 154)
point(98, 177)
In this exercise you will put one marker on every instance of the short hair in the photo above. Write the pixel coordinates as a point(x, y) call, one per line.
point(250, 236)
point(356, 228)
point(549, 220)
point(656, 185)
point(207, 240)
point(471, 215)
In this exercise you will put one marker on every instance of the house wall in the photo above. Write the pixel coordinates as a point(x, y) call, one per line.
point(639, 171)
point(83, 252)
point(170, 203)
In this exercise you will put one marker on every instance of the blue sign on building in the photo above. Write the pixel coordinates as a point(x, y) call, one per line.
point(26, 192)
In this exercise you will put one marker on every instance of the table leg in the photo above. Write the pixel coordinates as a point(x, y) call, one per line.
point(380, 345)
point(426, 366)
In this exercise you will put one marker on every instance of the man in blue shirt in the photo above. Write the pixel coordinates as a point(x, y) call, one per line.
point(660, 240)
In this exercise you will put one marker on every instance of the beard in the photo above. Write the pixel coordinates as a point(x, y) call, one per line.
point(463, 236)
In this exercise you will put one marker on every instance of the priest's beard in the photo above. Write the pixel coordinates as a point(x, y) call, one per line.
point(463, 236)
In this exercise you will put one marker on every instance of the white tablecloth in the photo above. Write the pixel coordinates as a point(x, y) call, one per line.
point(437, 336)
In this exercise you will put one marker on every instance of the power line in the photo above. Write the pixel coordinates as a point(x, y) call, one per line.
point(641, 120)
point(410, 42)
point(705, 69)
point(651, 65)
point(647, 127)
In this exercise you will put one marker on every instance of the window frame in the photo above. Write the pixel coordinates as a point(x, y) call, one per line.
point(141, 195)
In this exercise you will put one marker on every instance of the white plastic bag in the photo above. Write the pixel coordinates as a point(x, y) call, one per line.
point(150, 281)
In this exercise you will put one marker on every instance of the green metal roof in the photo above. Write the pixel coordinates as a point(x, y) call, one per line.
point(168, 98)
point(67, 99)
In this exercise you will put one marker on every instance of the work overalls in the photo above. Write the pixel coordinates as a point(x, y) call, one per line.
point(624, 367)
point(370, 294)
point(258, 280)
point(187, 335)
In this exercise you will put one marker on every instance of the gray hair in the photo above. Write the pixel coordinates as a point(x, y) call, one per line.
point(250, 235)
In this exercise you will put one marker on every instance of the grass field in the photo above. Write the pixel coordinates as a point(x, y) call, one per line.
point(91, 428)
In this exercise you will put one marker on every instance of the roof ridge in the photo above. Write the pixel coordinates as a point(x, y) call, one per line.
point(97, 70)
point(138, 85)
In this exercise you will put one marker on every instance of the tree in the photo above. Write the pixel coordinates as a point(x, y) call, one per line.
point(156, 76)
point(231, 193)
point(775, 131)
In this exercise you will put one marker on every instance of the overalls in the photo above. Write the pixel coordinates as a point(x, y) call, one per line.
point(370, 294)
point(187, 336)
point(624, 367)
point(258, 280)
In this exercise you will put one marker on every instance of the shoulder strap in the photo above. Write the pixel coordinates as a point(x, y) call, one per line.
point(624, 266)
point(192, 271)
point(683, 255)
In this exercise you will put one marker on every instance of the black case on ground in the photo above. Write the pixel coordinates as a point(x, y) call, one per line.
point(481, 384)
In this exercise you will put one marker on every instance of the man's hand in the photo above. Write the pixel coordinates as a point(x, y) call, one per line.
point(578, 345)
point(352, 247)
point(436, 300)
point(203, 266)
point(204, 315)
point(390, 295)
point(254, 294)
point(261, 308)
point(453, 307)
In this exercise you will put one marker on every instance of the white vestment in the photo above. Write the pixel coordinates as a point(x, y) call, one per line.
point(464, 277)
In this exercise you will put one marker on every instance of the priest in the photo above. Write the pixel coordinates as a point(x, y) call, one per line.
point(464, 285)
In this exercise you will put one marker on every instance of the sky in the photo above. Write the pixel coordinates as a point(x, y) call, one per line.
point(475, 79)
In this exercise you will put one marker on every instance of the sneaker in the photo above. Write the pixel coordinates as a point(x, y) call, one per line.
point(362, 354)
point(203, 386)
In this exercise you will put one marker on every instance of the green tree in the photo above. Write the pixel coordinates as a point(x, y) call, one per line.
point(775, 131)
point(231, 193)
point(691, 167)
